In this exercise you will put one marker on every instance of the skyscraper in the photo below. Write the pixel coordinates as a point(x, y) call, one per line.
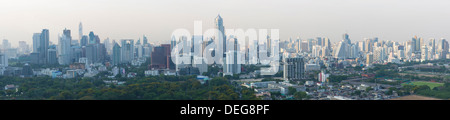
point(80, 31)
point(444, 51)
point(219, 26)
point(36, 41)
point(145, 40)
point(424, 53)
point(84, 40)
point(127, 50)
point(233, 57)
point(116, 55)
point(340, 51)
point(43, 46)
point(92, 38)
point(65, 54)
point(294, 68)
point(433, 47)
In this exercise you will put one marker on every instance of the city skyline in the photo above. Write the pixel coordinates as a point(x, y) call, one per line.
point(157, 20)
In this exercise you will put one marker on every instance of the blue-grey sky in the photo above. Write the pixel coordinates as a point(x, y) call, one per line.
point(396, 20)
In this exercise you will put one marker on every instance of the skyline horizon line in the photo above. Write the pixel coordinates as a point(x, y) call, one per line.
point(16, 44)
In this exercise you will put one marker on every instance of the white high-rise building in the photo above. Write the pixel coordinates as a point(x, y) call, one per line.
point(233, 58)
point(36, 41)
point(340, 51)
point(3, 60)
point(127, 50)
point(424, 53)
point(80, 31)
point(64, 49)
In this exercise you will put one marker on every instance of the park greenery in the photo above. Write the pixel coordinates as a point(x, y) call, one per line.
point(139, 88)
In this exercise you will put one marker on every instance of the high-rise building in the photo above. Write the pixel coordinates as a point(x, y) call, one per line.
point(116, 55)
point(52, 57)
point(221, 42)
point(433, 47)
point(6, 45)
point(91, 53)
point(346, 39)
point(36, 41)
point(444, 51)
point(65, 50)
point(233, 56)
point(341, 50)
point(369, 59)
point(145, 40)
point(84, 40)
point(127, 50)
point(43, 46)
point(80, 31)
point(424, 53)
point(92, 38)
point(161, 57)
point(294, 68)
point(23, 47)
point(3, 60)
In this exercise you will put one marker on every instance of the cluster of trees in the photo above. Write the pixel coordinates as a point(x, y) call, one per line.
point(337, 78)
point(140, 88)
point(442, 92)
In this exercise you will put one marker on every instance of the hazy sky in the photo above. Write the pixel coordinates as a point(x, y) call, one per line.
point(396, 20)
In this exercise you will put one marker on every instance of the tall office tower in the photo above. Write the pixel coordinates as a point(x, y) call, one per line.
point(91, 53)
point(340, 51)
point(148, 49)
point(36, 41)
point(108, 46)
point(139, 50)
point(65, 50)
point(346, 39)
point(433, 47)
point(101, 53)
point(219, 26)
point(414, 44)
point(145, 40)
point(116, 55)
point(369, 45)
point(84, 40)
point(379, 54)
point(444, 50)
point(294, 68)
point(424, 53)
point(43, 46)
point(161, 57)
point(327, 43)
point(369, 59)
point(401, 54)
point(80, 31)
point(3, 60)
point(173, 43)
point(6, 45)
point(421, 43)
point(233, 57)
point(409, 50)
point(269, 45)
point(319, 41)
point(23, 47)
point(127, 50)
point(52, 57)
point(92, 38)
point(316, 51)
point(362, 46)
point(325, 52)
point(354, 51)
point(310, 44)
